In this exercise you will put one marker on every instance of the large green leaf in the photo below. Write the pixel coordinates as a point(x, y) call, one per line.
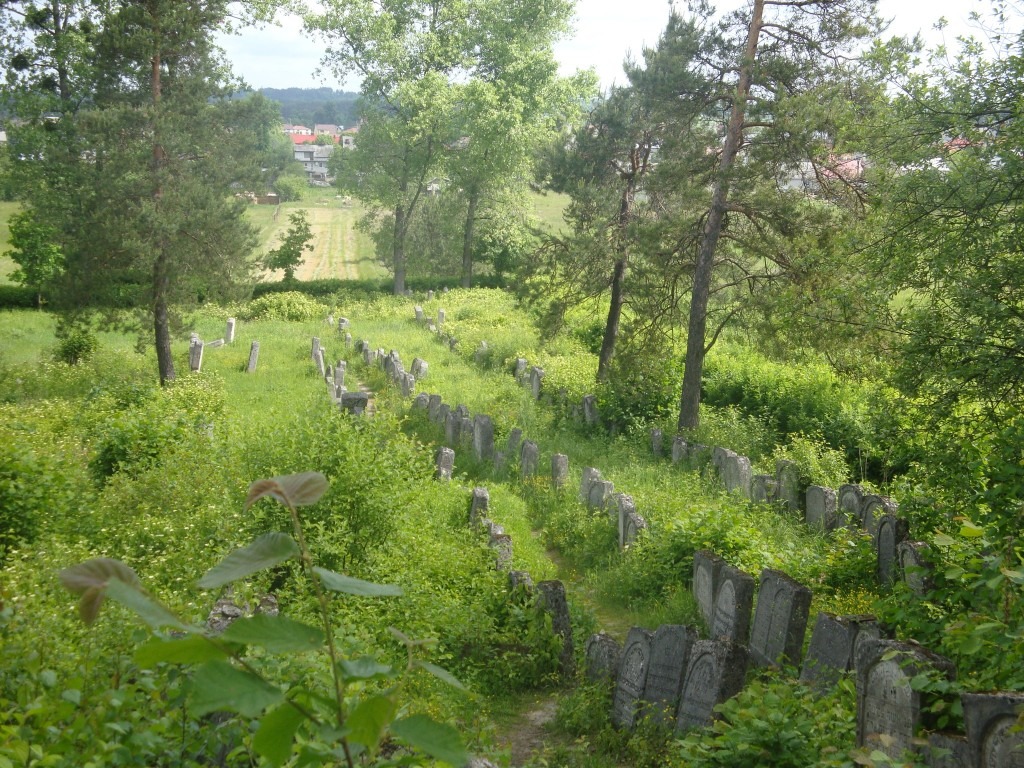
point(220, 687)
point(370, 719)
point(436, 739)
point(268, 550)
point(90, 578)
point(277, 634)
point(364, 668)
point(441, 674)
point(291, 490)
point(350, 586)
point(147, 609)
point(276, 732)
point(193, 649)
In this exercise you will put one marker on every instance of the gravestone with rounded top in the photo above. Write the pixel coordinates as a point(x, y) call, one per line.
point(822, 511)
point(604, 655)
point(559, 470)
point(849, 498)
point(994, 738)
point(670, 655)
point(734, 600)
point(444, 462)
point(762, 489)
point(873, 508)
point(636, 659)
point(707, 569)
point(915, 567)
point(589, 476)
point(788, 490)
point(780, 619)
point(529, 456)
point(715, 673)
point(890, 532)
point(831, 650)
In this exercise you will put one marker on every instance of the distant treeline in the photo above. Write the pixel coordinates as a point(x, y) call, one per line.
point(308, 106)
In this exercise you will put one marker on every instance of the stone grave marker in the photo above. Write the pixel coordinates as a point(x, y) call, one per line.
point(536, 377)
point(670, 655)
point(367, 354)
point(788, 490)
point(888, 708)
point(600, 491)
point(254, 356)
point(466, 431)
point(420, 317)
point(636, 659)
point(339, 390)
point(515, 439)
point(529, 456)
point(620, 507)
point(947, 750)
point(501, 543)
point(993, 738)
point(707, 569)
point(559, 470)
point(483, 438)
point(354, 402)
point(520, 580)
point(715, 673)
point(551, 597)
point(343, 324)
point(462, 410)
point(348, 340)
point(229, 332)
point(445, 463)
point(434, 408)
point(443, 413)
point(479, 502)
point(849, 500)
point(419, 367)
point(718, 458)
point(214, 344)
point(831, 650)
point(440, 318)
point(873, 508)
point(520, 370)
point(657, 440)
point(430, 295)
point(604, 655)
point(451, 429)
point(590, 413)
point(679, 452)
point(734, 602)
point(780, 620)
point(697, 455)
point(914, 566)
point(890, 532)
point(762, 489)
point(822, 511)
point(195, 355)
point(421, 401)
point(589, 477)
point(738, 474)
point(408, 382)
point(315, 348)
point(634, 523)
point(340, 369)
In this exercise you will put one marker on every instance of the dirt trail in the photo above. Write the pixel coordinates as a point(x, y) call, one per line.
point(526, 735)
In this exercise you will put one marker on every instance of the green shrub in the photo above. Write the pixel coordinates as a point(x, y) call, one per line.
point(290, 305)
point(817, 463)
point(76, 340)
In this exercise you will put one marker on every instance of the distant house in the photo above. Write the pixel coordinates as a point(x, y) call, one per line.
point(314, 159)
point(348, 137)
point(327, 129)
point(296, 130)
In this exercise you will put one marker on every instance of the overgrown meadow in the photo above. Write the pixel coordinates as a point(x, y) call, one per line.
point(98, 461)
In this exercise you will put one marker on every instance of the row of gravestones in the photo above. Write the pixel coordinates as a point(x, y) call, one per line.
point(196, 347)
point(897, 556)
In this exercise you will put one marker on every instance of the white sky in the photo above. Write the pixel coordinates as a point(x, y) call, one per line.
point(606, 31)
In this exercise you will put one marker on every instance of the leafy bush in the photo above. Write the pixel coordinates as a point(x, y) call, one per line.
point(817, 463)
point(641, 391)
point(76, 341)
point(290, 305)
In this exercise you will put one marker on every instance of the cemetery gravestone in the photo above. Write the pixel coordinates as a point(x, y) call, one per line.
point(551, 596)
point(788, 491)
point(195, 355)
point(528, 458)
point(716, 672)
point(600, 490)
point(850, 497)
point(738, 474)
point(440, 318)
point(348, 340)
point(621, 507)
point(762, 489)
point(873, 508)
point(707, 569)
point(604, 655)
point(214, 344)
point(520, 580)
point(589, 477)
point(948, 750)
point(634, 524)
point(590, 414)
point(434, 409)
point(536, 376)
point(670, 655)
point(559, 470)
point(254, 356)
point(515, 438)
point(479, 501)
point(501, 543)
point(734, 601)
point(419, 313)
point(636, 657)
point(451, 429)
point(354, 403)
point(890, 532)
point(831, 651)
point(914, 566)
point(657, 438)
point(993, 738)
point(315, 348)
point(445, 463)
point(229, 332)
point(421, 402)
point(340, 369)
point(780, 619)
point(822, 511)
point(520, 369)
point(679, 452)
point(483, 438)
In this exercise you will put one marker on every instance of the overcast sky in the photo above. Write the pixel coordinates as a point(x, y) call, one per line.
point(606, 31)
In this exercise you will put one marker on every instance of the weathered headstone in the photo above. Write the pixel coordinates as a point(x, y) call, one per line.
point(679, 452)
point(501, 543)
point(619, 506)
point(559, 470)
point(831, 650)
point(536, 377)
point(890, 532)
point(195, 355)
point(914, 566)
point(465, 431)
point(634, 523)
point(948, 750)
point(452, 429)
point(419, 367)
point(343, 324)
point(551, 597)
point(254, 356)
point(520, 370)
point(421, 401)
point(719, 456)
point(738, 474)
point(707, 570)
point(420, 317)
point(315, 348)
point(515, 439)
point(670, 655)
point(348, 340)
point(529, 456)
point(430, 295)
point(367, 353)
point(888, 708)
point(849, 499)
point(604, 655)
point(321, 365)
point(873, 508)
point(479, 501)
point(354, 403)
point(440, 318)
point(444, 460)
point(780, 620)
point(994, 737)
point(214, 344)
point(483, 437)
point(716, 672)
point(434, 408)
point(788, 490)
point(636, 659)
point(229, 332)
point(762, 488)
point(734, 603)
point(330, 320)
point(600, 492)
point(520, 580)
point(822, 511)
point(590, 413)
point(589, 476)
point(340, 369)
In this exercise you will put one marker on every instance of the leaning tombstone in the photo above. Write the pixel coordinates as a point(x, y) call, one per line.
point(670, 655)
point(559, 470)
point(915, 567)
point(822, 511)
point(849, 498)
point(888, 706)
point(734, 602)
point(529, 456)
point(636, 658)
point(873, 508)
point(762, 489)
point(229, 333)
point(444, 461)
point(994, 736)
point(195, 355)
point(483, 438)
point(707, 569)
point(536, 377)
point(479, 501)
point(890, 532)
point(715, 673)
point(214, 344)
point(551, 597)
point(780, 620)
point(634, 523)
point(604, 655)
point(831, 650)
point(788, 490)
point(254, 356)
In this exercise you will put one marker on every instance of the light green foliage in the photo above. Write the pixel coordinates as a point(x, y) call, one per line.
point(289, 254)
point(76, 340)
point(290, 305)
point(39, 258)
point(816, 462)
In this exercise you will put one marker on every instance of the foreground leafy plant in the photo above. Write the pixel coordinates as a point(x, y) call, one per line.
point(351, 723)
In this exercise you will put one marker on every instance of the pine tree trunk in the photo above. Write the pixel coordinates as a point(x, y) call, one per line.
point(689, 402)
point(398, 250)
point(161, 322)
point(611, 326)
point(467, 240)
